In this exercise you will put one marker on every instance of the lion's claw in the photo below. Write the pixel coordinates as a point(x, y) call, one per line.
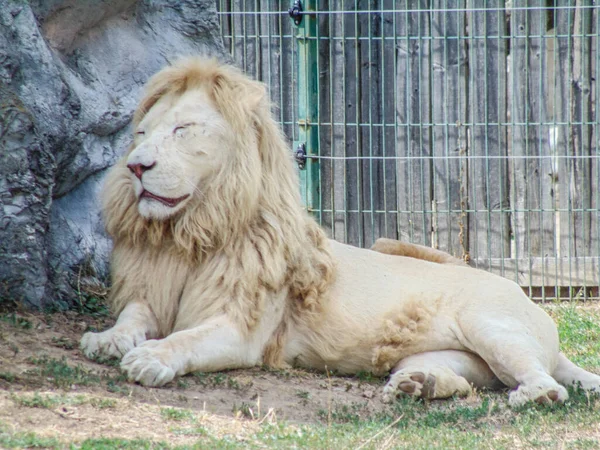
point(144, 365)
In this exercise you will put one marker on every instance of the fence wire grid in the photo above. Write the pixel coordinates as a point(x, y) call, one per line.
point(467, 126)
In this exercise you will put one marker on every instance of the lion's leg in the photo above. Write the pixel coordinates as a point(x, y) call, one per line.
point(214, 345)
point(399, 248)
point(439, 374)
point(569, 374)
point(135, 324)
point(522, 350)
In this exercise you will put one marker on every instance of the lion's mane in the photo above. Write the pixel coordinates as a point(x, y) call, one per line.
point(249, 228)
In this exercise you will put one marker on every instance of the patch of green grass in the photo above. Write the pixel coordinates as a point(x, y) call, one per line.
point(196, 431)
point(111, 361)
point(182, 383)
point(216, 379)
point(8, 376)
point(244, 410)
point(92, 306)
point(64, 342)
point(579, 333)
point(51, 401)
point(232, 383)
point(117, 383)
point(16, 320)
point(343, 413)
point(36, 400)
point(176, 414)
point(117, 387)
point(26, 440)
point(367, 376)
point(123, 444)
point(287, 373)
point(303, 394)
point(62, 374)
point(103, 403)
point(369, 434)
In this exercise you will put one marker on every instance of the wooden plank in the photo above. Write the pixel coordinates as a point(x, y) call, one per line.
point(334, 82)
point(489, 224)
point(594, 245)
point(353, 178)
point(533, 221)
point(327, 106)
point(388, 114)
point(449, 95)
point(549, 271)
point(330, 137)
point(576, 176)
point(368, 62)
point(286, 97)
point(563, 29)
point(245, 48)
point(224, 6)
point(413, 110)
point(371, 91)
point(269, 50)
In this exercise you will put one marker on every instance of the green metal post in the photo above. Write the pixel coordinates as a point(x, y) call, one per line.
point(308, 104)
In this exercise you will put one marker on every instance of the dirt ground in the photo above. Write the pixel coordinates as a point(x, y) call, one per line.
point(40, 361)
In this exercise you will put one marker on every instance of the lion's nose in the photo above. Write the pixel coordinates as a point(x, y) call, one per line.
point(139, 169)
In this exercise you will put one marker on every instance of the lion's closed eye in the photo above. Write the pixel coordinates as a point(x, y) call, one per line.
point(180, 129)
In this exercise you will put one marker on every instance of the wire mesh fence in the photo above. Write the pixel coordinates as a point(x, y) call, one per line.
point(467, 126)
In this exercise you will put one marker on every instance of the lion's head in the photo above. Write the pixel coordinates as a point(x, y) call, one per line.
point(206, 159)
point(209, 170)
point(196, 135)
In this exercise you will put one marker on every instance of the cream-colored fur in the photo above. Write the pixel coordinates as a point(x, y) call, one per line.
point(216, 265)
point(398, 248)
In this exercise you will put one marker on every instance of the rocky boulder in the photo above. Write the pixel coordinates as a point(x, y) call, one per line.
point(71, 73)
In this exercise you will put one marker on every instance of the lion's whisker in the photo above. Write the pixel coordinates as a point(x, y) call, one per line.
point(196, 189)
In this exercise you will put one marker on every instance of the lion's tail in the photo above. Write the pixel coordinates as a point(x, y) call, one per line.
point(399, 248)
point(567, 374)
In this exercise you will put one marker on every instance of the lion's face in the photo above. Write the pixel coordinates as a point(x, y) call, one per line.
point(180, 143)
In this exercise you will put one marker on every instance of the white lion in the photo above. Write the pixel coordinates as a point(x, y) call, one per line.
point(216, 266)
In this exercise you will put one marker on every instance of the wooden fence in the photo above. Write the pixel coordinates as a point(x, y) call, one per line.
point(469, 128)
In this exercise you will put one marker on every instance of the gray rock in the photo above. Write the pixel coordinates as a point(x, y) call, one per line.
point(71, 73)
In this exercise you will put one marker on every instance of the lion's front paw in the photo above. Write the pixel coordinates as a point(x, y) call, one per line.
point(110, 343)
point(145, 365)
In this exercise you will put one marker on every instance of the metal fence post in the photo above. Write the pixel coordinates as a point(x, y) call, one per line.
point(308, 101)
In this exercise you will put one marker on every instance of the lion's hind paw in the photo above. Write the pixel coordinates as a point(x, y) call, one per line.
point(426, 383)
point(544, 394)
point(145, 366)
point(415, 384)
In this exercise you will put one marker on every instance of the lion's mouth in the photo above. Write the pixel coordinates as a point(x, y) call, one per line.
point(170, 202)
